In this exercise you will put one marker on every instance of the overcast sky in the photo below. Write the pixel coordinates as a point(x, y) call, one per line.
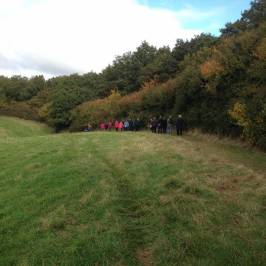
point(56, 37)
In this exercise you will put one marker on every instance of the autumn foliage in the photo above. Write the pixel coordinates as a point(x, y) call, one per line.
point(152, 98)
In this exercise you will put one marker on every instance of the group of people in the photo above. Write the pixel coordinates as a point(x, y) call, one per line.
point(163, 125)
point(120, 125)
point(160, 125)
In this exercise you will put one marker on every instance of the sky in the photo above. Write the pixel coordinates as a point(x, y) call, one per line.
point(61, 37)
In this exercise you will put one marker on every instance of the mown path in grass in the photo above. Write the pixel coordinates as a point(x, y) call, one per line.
point(131, 199)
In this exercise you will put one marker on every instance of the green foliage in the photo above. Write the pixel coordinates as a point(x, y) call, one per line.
point(63, 101)
point(25, 110)
point(130, 70)
point(14, 90)
point(251, 18)
point(213, 79)
point(19, 88)
point(250, 115)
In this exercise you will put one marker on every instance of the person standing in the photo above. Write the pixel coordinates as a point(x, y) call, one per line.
point(137, 124)
point(133, 125)
point(179, 125)
point(110, 125)
point(153, 124)
point(160, 125)
point(164, 125)
point(169, 125)
point(121, 125)
point(150, 124)
point(130, 121)
point(116, 125)
point(102, 126)
point(126, 125)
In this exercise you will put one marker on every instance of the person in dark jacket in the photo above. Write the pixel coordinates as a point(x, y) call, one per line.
point(131, 125)
point(160, 125)
point(164, 125)
point(154, 125)
point(179, 125)
point(137, 124)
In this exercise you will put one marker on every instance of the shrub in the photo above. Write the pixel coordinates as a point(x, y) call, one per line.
point(251, 117)
point(153, 98)
point(23, 110)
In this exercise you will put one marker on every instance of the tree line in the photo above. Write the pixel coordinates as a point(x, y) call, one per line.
point(217, 83)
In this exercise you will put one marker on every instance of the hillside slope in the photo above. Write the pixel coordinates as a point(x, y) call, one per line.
point(15, 127)
point(131, 199)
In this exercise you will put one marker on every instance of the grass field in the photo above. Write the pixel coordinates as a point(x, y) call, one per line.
point(128, 199)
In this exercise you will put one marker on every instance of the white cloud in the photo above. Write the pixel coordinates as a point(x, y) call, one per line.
point(62, 36)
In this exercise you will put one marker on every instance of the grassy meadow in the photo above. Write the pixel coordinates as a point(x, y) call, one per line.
point(108, 198)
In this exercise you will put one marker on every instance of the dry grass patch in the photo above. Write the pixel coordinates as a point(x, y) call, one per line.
point(145, 257)
point(86, 196)
point(57, 220)
point(166, 199)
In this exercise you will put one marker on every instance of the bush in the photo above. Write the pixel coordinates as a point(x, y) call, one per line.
point(251, 117)
point(23, 110)
point(152, 99)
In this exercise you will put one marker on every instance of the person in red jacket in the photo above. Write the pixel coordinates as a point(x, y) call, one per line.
point(102, 126)
point(116, 125)
point(121, 125)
